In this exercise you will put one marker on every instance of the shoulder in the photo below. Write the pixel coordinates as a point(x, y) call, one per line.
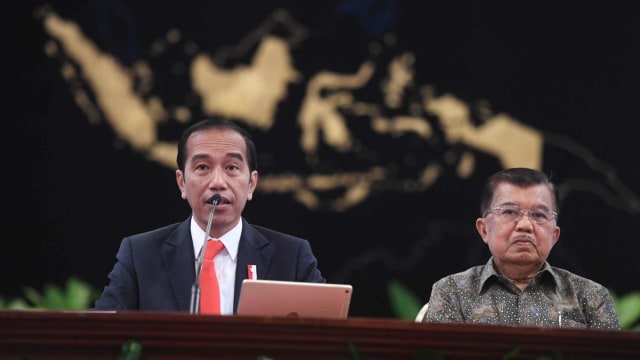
point(566, 278)
point(464, 284)
point(471, 275)
point(173, 233)
point(268, 233)
point(274, 235)
point(266, 238)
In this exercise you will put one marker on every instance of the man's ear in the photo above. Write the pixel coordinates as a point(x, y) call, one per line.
point(556, 235)
point(181, 185)
point(253, 183)
point(481, 226)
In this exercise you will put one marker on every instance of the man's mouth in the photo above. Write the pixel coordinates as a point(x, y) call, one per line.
point(219, 200)
point(522, 241)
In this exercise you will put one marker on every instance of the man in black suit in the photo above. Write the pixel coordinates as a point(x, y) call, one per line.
point(156, 270)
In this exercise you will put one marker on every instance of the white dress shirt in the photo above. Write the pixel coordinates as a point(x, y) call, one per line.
point(226, 262)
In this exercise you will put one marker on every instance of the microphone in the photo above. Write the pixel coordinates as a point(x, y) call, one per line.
point(195, 289)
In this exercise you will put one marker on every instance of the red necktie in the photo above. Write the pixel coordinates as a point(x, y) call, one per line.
point(209, 289)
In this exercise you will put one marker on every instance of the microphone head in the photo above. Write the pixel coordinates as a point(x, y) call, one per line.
point(215, 199)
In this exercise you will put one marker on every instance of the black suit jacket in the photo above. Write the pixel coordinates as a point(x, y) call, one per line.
point(156, 270)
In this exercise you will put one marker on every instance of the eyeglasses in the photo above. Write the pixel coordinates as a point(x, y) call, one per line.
point(513, 212)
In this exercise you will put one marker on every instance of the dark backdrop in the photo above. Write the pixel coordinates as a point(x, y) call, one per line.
point(74, 188)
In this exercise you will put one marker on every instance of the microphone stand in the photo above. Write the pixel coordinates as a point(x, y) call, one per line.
point(195, 289)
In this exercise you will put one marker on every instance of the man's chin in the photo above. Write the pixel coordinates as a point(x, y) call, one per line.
point(523, 254)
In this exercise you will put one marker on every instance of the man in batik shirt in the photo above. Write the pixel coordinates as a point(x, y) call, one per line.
point(517, 286)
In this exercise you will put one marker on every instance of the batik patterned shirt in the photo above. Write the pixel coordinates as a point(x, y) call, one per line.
point(554, 298)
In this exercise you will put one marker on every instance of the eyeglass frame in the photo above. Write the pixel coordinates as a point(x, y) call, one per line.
point(521, 211)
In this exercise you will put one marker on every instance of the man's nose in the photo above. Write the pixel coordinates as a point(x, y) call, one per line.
point(524, 213)
point(216, 178)
point(520, 221)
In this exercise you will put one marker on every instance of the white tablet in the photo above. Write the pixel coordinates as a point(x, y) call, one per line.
point(294, 299)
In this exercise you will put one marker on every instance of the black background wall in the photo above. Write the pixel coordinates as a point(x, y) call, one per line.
point(74, 188)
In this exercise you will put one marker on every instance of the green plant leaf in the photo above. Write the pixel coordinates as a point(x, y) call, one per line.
point(131, 350)
point(404, 303)
point(628, 309)
point(14, 304)
point(353, 350)
point(53, 298)
point(511, 354)
point(78, 295)
point(32, 295)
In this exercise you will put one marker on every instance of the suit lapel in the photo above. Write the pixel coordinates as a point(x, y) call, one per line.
point(253, 249)
point(178, 261)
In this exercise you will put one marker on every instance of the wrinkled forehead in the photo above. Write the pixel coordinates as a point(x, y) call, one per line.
point(524, 196)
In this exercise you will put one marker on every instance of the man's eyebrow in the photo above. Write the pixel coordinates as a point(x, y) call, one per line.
point(236, 155)
point(197, 157)
point(537, 207)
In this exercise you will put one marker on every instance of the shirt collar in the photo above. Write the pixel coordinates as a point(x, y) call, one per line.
point(231, 239)
point(489, 271)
